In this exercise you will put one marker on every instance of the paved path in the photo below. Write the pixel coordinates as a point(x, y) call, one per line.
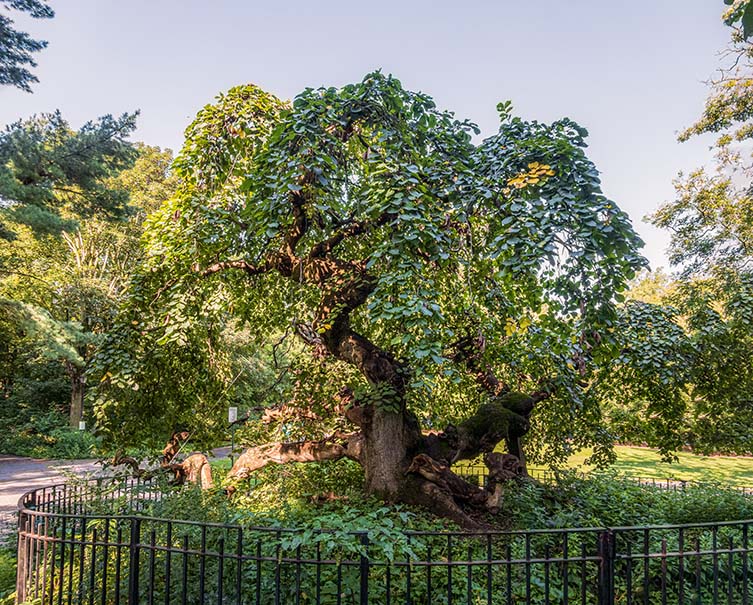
point(19, 475)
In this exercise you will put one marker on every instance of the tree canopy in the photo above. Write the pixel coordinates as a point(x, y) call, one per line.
point(426, 277)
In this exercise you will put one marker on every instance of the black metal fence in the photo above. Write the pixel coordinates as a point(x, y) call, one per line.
point(94, 544)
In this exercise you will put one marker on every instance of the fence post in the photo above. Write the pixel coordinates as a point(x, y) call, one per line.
point(606, 556)
point(22, 565)
point(365, 569)
point(133, 562)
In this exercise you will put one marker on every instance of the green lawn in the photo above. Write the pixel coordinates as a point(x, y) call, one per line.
point(644, 462)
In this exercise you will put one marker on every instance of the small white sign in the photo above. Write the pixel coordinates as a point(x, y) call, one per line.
point(81, 425)
point(232, 415)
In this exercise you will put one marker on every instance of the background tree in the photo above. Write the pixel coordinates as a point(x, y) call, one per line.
point(59, 293)
point(17, 47)
point(711, 220)
point(740, 14)
point(52, 175)
point(428, 280)
point(683, 376)
point(688, 352)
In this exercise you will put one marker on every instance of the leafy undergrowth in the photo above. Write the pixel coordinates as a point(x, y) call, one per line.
point(311, 496)
point(330, 496)
point(7, 576)
point(44, 436)
point(611, 500)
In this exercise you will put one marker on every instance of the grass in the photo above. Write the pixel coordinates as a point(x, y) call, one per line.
point(645, 462)
point(222, 463)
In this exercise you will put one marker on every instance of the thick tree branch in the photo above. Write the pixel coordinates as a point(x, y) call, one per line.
point(194, 469)
point(326, 246)
point(347, 287)
point(300, 223)
point(255, 458)
point(504, 418)
point(468, 351)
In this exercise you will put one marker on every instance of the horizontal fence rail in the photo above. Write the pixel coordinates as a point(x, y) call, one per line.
point(94, 544)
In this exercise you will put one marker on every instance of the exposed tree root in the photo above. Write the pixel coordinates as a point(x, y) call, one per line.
point(449, 495)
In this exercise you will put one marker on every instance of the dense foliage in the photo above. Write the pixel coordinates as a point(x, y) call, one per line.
point(7, 576)
point(16, 47)
point(325, 496)
point(685, 369)
point(321, 559)
point(510, 239)
point(333, 529)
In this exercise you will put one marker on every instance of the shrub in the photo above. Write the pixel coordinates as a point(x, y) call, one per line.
point(610, 500)
point(285, 565)
point(45, 436)
point(7, 576)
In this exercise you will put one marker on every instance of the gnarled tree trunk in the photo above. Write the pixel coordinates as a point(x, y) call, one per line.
point(402, 464)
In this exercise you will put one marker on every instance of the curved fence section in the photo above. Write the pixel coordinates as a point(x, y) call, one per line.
point(95, 544)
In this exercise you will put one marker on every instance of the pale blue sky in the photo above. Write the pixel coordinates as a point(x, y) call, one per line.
point(631, 72)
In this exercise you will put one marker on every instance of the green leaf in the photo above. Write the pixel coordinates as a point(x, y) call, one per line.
point(747, 20)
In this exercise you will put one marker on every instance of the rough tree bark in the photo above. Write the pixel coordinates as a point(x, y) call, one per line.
point(194, 469)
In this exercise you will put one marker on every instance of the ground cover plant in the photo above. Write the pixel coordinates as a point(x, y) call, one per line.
point(7, 575)
point(45, 436)
point(307, 496)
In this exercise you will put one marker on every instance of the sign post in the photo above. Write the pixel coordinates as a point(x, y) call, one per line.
point(232, 416)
